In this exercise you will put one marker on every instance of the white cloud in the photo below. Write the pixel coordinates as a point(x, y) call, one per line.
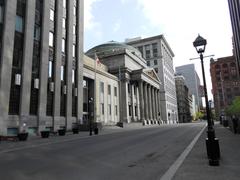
point(181, 21)
point(89, 22)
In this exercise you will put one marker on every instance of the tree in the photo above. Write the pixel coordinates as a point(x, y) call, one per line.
point(199, 115)
point(234, 108)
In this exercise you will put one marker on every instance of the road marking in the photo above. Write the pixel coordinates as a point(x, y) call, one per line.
point(169, 174)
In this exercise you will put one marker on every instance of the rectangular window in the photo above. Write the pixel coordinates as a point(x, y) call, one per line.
point(155, 62)
point(101, 87)
point(51, 15)
point(36, 32)
point(130, 110)
point(74, 29)
point(64, 4)
point(19, 24)
point(73, 75)
point(148, 63)
point(73, 50)
point(116, 110)
point(102, 108)
point(115, 91)
point(109, 89)
point(109, 109)
point(50, 69)
point(63, 23)
point(63, 45)
point(50, 39)
point(1, 14)
point(62, 73)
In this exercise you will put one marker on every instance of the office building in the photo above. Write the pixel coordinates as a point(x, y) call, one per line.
point(225, 83)
point(192, 81)
point(41, 69)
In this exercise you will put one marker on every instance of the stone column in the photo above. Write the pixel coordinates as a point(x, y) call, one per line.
point(6, 61)
point(153, 104)
point(146, 102)
point(159, 104)
point(69, 61)
point(132, 101)
point(156, 103)
point(27, 62)
point(43, 79)
point(57, 64)
point(150, 102)
point(79, 59)
point(141, 100)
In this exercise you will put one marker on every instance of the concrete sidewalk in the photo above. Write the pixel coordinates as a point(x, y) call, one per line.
point(195, 166)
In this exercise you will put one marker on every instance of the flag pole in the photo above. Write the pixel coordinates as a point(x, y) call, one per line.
point(95, 85)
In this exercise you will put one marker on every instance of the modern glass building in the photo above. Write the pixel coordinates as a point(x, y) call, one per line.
point(41, 68)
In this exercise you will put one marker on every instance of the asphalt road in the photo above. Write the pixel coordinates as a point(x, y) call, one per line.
point(142, 154)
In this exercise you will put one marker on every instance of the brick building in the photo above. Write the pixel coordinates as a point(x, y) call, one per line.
point(225, 82)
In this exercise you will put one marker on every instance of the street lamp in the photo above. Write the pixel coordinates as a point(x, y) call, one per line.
point(212, 144)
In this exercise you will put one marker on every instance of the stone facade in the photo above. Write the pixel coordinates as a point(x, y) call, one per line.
point(139, 86)
point(41, 64)
point(159, 56)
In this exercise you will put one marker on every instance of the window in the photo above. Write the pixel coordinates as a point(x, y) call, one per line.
point(64, 4)
point(148, 63)
point(50, 39)
point(155, 62)
point(116, 110)
point(109, 89)
point(74, 29)
point(63, 23)
point(84, 83)
point(109, 109)
point(63, 45)
point(115, 91)
point(73, 75)
point(74, 10)
point(50, 69)
point(101, 87)
point(1, 14)
point(62, 73)
point(73, 51)
point(102, 108)
point(36, 33)
point(51, 15)
point(19, 24)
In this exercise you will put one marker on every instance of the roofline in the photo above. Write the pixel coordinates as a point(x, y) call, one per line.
point(161, 36)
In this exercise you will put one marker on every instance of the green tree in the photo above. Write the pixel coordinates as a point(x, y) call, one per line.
point(199, 115)
point(234, 108)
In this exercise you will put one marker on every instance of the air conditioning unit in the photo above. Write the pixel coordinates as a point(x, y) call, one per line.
point(18, 79)
point(64, 89)
point(36, 83)
point(51, 86)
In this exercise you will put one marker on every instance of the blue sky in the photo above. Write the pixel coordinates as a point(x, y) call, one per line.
point(179, 21)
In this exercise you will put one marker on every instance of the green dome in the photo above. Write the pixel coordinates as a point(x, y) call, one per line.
point(111, 47)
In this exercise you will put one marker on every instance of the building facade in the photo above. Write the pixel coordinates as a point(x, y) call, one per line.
point(234, 8)
point(41, 67)
point(192, 81)
point(105, 97)
point(139, 86)
point(225, 83)
point(159, 56)
point(184, 100)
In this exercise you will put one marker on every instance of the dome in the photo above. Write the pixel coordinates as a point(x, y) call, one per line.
point(111, 47)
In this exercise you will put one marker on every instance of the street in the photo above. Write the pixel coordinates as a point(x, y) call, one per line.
point(142, 154)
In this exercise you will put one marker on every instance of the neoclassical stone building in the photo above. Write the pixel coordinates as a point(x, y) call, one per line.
point(139, 86)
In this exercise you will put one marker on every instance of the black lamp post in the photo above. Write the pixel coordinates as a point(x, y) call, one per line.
point(212, 144)
point(90, 114)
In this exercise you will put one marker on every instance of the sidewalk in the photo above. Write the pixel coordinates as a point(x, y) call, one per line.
point(195, 166)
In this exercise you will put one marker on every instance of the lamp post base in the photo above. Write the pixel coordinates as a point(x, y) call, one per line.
point(213, 151)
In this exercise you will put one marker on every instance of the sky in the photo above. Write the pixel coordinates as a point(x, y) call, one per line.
point(179, 21)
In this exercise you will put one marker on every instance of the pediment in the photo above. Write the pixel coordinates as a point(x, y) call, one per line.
point(152, 74)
